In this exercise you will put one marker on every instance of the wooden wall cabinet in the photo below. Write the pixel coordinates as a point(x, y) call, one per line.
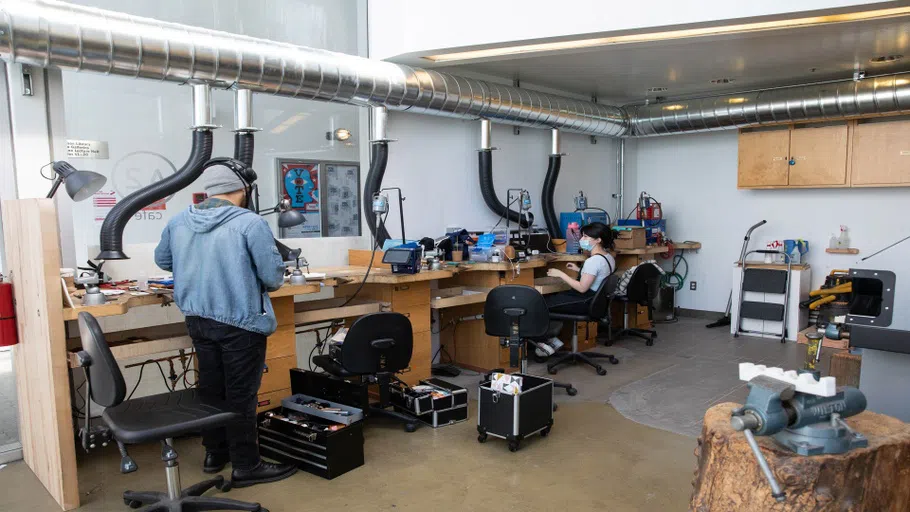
point(864, 153)
point(881, 154)
point(794, 157)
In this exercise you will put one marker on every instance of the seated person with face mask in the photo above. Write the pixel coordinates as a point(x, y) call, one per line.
point(597, 241)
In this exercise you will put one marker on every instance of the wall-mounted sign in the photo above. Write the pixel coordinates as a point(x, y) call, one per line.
point(86, 149)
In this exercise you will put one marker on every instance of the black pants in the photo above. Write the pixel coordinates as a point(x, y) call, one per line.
point(570, 302)
point(230, 369)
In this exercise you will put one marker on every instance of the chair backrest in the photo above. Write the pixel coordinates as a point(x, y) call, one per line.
point(601, 300)
point(107, 386)
point(642, 287)
point(509, 301)
point(378, 343)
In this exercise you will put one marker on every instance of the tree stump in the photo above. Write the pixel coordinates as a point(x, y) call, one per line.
point(873, 479)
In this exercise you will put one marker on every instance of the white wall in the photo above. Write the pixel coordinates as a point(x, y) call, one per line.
point(695, 178)
point(398, 28)
point(434, 161)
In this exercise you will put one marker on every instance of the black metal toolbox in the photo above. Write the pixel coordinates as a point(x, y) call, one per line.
point(412, 401)
point(314, 444)
point(324, 386)
point(445, 417)
point(515, 417)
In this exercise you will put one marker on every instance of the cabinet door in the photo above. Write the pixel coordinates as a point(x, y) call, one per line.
point(881, 153)
point(763, 158)
point(820, 156)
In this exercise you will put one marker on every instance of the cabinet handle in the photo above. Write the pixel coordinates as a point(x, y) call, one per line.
point(402, 288)
point(263, 403)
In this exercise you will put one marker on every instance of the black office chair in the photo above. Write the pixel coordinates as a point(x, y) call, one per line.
point(519, 316)
point(641, 290)
point(376, 347)
point(598, 310)
point(147, 419)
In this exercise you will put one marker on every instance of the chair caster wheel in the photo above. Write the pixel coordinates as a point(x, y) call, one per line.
point(410, 427)
point(263, 509)
point(555, 407)
point(613, 360)
point(551, 371)
point(133, 504)
point(545, 432)
point(649, 343)
point(654, 335)
point(572, 391)
point(482, 438)
point(225, 486)
point(601, 371)
point(514, 446)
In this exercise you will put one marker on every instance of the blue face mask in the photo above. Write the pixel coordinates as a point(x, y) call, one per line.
point(585, 244)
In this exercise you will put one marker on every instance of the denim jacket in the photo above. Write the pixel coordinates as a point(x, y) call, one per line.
point(224, 262)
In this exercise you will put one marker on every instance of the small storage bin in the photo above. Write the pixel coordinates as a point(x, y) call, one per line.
point(449, 405)
point(515, 417)
point(313, 444)
point(459, 394)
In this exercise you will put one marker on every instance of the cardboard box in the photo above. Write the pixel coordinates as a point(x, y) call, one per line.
point(630, 238)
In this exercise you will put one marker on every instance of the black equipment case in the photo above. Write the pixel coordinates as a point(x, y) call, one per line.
point(515, 417)
point(438, 411)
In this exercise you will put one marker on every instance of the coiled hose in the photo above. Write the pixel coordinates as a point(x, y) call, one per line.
point(243, 147)
point(485, 161)
point(379, 157)
point(115, 222)
point(546, 196)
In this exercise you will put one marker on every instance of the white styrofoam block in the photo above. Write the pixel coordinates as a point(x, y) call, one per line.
point(804, 383)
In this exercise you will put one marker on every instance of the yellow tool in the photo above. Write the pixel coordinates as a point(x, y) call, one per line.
point(824, 300)
point(841, 288)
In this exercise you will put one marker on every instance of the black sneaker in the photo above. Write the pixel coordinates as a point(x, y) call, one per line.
point(215, 462)
point(265, 472)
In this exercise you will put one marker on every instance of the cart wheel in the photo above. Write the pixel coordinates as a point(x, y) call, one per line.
point(649, 343)
point(225, 485)
point(572, 392)
point(514, 446)
point(552, 371)
point(736, 335)
point(410, 427)
point(783, 340)
point(613, 360)
point(653, 335)
point(482, 438)
point(133, 504)
point(545, 432)
point(601, 371)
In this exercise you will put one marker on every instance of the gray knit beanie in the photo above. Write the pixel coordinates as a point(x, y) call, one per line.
point(218, 179)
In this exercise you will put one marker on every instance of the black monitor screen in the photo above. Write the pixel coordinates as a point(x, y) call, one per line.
point(397, 256)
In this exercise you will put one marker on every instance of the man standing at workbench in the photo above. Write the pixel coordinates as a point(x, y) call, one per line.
point(225, 262)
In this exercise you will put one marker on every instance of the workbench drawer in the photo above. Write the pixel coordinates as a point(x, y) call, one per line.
point(419, 316)
point(281, 343)
point(410, 294)
point(277, 373)
point(271, 400)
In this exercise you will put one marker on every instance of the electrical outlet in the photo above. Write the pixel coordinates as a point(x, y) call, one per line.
point(693, 285)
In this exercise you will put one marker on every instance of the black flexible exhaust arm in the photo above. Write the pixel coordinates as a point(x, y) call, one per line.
point(546, 196)
point(485, 160)
point(378, 159)
point(115, 222)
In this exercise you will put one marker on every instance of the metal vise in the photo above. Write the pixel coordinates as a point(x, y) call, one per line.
point(802, 421)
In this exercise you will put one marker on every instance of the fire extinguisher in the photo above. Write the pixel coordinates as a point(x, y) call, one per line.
point(8, 334)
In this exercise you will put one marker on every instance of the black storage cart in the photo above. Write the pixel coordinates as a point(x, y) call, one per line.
point(515, 417)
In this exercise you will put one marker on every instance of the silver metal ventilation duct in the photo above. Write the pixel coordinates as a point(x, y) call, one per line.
point(55, 34)
point(818, 102)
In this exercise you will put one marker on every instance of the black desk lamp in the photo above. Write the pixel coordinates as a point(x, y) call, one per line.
point(80, 185)
point(287, 217)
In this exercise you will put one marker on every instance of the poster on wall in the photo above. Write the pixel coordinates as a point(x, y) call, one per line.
point(300, 184)
point(342, 199)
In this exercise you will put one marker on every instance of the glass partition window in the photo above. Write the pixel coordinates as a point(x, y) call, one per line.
point(143, 125)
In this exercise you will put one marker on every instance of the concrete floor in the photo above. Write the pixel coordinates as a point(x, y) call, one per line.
point(597, 457)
